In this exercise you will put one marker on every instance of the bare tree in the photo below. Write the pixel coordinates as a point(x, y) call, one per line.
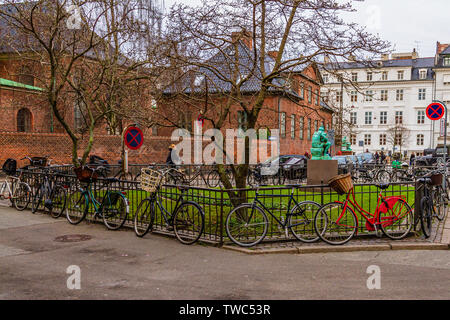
point(398, 136)
point(86, 57)
point(283, 36)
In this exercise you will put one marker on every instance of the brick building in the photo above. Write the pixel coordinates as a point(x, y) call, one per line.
point(293, 105)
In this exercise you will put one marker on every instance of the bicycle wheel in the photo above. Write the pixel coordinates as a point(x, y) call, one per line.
point(383, 176)
point(125, 176)
point(144, 217)
point(22, 196)
point(58, 200)
point(397, 222)
point(334, 225)
point(77, 207)
point(301, 221)
point(246, 225)
point(37, 203)
point(426, 218)
point(439, 202)
point(213, 179)
point(115, 210)
point(189, 222)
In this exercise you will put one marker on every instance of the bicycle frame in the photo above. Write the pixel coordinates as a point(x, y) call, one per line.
point(256, 202)
point(6, 186)
point(371, 218)
point(166, 213)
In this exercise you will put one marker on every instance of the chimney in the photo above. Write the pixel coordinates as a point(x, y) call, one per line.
point(385, 57)
point(245, 36)
point(273, 54)
point(351, 58)
point(326, 59)
point(415, 55)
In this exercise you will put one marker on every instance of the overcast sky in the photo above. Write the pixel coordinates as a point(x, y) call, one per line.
point(407, 24)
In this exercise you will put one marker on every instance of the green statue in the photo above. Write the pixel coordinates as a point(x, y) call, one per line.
point(346, 145)
point(320, 145)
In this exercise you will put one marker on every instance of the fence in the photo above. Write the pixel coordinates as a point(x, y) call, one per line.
point(217, 203)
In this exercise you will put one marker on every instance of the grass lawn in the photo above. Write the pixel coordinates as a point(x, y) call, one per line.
point(216, 203)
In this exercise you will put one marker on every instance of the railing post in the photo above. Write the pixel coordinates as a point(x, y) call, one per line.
point(221, 218)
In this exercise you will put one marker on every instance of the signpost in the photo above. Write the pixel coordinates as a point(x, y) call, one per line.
point(436, 111)
point(133, 138)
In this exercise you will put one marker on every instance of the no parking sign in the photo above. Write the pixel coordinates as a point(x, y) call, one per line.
point(435, 111)
point(134, 138)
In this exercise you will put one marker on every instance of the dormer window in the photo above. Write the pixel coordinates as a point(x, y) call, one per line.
point(400, 75)
point(447, 61)
point(423, 74)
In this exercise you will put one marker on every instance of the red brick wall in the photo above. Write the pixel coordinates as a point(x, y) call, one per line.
point(59, 148)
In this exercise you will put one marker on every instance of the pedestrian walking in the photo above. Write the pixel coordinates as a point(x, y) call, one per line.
point(377, 158)
point(411, 160)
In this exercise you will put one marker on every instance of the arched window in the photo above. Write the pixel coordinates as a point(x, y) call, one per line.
point(24, 120)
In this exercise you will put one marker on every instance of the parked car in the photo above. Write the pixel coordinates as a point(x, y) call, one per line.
point(290, 167)
point(432, 156)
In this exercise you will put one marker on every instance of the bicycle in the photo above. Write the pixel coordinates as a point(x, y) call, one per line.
point(187, 219)
point(432, 203)
point(250, 221)
point(111, 206)
point(50, 194)
point(12, 188)
point(336, 222)
point(370, 175)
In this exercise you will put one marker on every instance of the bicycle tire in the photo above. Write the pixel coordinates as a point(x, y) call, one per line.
point(24, 195)
point(426, 217)
point(252, 239)
point(383, 176)
point(58, 199)
point(390, 227)
point(77, 207)
point(114, 218)
point(307, 233)
point(440, 202)
point(189, 226)
point(37, 199)
point(322, 221)
point(141, 227)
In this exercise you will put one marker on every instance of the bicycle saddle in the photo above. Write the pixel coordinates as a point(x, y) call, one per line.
point(383, 186)
point(424, 180)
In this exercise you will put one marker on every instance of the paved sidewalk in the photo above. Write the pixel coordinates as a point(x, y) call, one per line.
point(118, 265)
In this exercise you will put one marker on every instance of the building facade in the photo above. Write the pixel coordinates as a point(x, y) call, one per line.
point(385, 100)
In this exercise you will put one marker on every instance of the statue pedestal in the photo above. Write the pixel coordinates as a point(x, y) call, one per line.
point(321, 171)
point(347, 153)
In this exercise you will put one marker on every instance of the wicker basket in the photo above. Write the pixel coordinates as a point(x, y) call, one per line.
point(342, 184)
point(436, 179)
point(150, 179)
point(86, 174)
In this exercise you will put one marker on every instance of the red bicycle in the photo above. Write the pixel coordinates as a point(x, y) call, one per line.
point(336, 222)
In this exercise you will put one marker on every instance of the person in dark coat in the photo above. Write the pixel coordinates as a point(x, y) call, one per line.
point(172, 158)
point(411, 160)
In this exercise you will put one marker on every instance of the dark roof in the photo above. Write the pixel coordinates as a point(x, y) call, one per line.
point(325, 106)
point(446, 51)
point(415, 64)
point(222, 64)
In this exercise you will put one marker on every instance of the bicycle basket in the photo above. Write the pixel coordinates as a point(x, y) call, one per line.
point(86, 174)
point(342, 184)
point(150, 179)
point(436, 179)
point(10, 167)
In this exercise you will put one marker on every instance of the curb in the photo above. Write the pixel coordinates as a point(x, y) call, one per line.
point(348, 248)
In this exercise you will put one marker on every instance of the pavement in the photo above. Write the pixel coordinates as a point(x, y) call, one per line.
point(118, 265)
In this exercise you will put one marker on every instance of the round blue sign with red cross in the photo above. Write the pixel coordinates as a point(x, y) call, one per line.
point(435, 111)
point(134, 138)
